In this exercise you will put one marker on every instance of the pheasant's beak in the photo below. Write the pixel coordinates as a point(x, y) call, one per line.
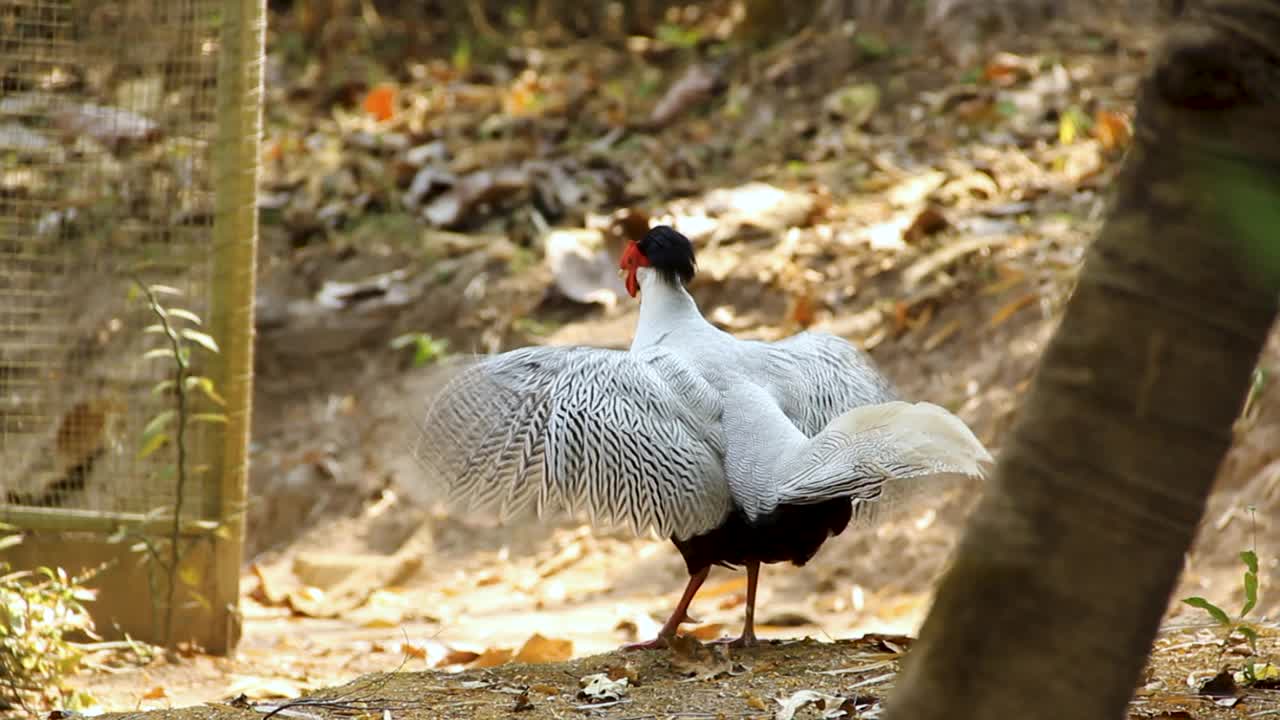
point(632, 259)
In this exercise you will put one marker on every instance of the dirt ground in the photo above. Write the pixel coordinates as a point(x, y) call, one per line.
point(781, 679)
point(941, 227)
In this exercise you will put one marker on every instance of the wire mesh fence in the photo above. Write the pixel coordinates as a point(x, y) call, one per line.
point(128, 135)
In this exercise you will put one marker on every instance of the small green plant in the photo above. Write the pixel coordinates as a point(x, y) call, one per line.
point(39, 609)
point(426, 349)
point(1238, 624)
point(872, 45)
point(1258, 384)
point(679, 36)
point(1253, 672)
point(177, 328)
point(461, 56)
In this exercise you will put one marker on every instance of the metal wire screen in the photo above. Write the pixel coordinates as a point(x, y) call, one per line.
point(108, 119)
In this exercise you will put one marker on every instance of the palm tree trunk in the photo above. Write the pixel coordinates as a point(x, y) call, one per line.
point(1067, 566)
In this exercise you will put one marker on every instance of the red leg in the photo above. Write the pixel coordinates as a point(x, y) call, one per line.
point(748, 638)
point(679, 615)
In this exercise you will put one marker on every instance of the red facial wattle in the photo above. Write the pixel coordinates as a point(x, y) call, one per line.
point(632, 259)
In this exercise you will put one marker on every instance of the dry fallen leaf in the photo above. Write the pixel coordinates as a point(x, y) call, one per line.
point(896, 644)
point(1007, 310)
point(626, 670)
point(696, 85)
point(432, 652)
point(929, 221)
point(274, 585)
point(483, 187)
point(638, 625)
point(800, 310)
point(1005, 69)
point(831, 706)
point(732, 601)
point(599, 687)
point(539, 649)
point(156, 693)
point(707, 631)
point(311, 602)
point(1111, 129)
point(459, 656)
point(380, 103)
point(383, 609)
point(417, 652)
point(493, 657)
point(732, 585)
point(585, 270)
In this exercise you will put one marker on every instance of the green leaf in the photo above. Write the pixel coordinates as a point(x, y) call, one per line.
point(1250, 560)
point(1216, 612)
point(1256, 387)
point(190, 575)
point(163, 387)
point(1250, 635)
point(871, 44)
point(205, 385)
point(461, 57)
point(209, 418)
point(163, 352)
point(184, 314)
point(156, 442)
point(1250, 593)
point(158, 423)
point(154, 328)
point(202, 339)
point(200, 599)
point(8, 541)
point(426, 349)
point(164, 290)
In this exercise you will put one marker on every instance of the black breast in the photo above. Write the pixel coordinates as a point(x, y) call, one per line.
point(791, 533)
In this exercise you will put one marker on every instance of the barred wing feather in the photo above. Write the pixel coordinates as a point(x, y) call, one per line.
point(626, 439)
point(815, 377)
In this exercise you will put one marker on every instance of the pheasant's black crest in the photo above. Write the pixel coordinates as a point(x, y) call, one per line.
point(670, 253)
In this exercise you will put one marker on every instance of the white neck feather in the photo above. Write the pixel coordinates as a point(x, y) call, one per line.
point(664, 307)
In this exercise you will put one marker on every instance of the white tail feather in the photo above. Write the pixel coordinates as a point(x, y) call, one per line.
point(878, 455)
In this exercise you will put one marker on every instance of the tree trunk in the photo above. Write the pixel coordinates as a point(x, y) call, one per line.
point(1067, 565)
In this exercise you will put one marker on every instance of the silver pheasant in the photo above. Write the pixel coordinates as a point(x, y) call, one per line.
point(741, 452)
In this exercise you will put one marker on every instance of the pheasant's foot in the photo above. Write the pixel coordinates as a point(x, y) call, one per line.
point(746, 640)
point(655, 644)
